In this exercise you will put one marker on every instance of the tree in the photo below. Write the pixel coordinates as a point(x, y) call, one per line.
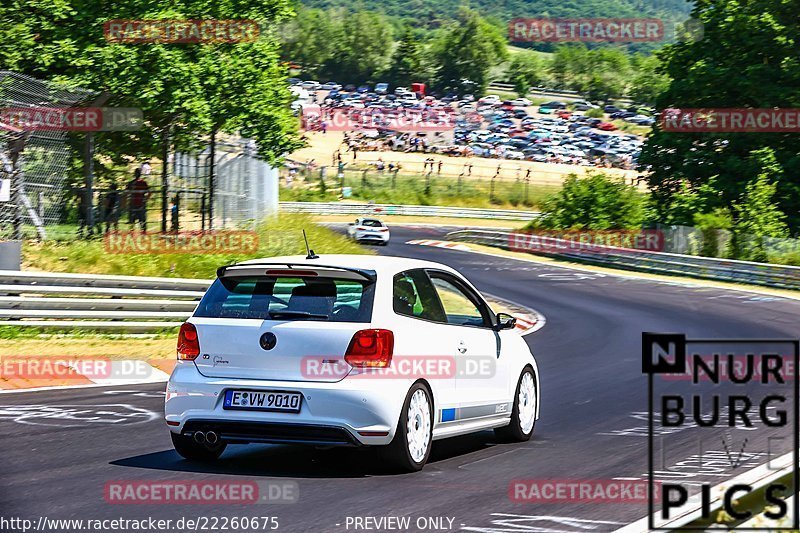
point(598, 74)
point(362, 44)
point(525, 71)
point(309, 39)
point(752, 61)
point(408, 63)
point(647, 82)
point(466, 51)
point(756, 215)
point(181, 89)
point(597, 202)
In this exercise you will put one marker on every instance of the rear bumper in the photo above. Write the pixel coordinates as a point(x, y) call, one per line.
point(347, 412)
point(234, 431)
point(372, 237)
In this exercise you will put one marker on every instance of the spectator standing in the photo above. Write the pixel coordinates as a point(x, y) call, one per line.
point(83, 214)
point(111, 204)
point(138, 194)
point(174, 210)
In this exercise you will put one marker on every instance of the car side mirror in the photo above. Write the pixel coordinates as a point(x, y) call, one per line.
point(505, 321)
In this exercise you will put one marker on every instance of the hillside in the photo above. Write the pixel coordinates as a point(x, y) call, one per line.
point(432, 13)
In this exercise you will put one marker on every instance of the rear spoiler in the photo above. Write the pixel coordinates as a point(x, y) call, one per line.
point(369, 275)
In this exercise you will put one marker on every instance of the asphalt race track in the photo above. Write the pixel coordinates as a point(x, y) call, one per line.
point(61, 447)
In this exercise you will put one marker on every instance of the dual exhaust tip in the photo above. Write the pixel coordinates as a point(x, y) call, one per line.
point(209, 437)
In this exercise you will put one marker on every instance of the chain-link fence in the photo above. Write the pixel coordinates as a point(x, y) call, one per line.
point(115, 210)
point(242, 190)
point(397, 185)
point(34, 162)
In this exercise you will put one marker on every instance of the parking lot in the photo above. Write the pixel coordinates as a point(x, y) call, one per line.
point(516, 130)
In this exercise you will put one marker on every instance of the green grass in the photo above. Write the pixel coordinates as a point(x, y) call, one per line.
point(411, 190)
point(627, 127)
point(27, 332)
point(278, 236)
point(504, 95)
point(517, 49)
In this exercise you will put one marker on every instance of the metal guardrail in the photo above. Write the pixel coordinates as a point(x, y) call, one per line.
point(564, 94)
point(131, 303)
point(347, 208)
point(111, 302)
point(779, 276)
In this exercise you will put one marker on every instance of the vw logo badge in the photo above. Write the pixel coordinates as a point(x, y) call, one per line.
point(268, 340)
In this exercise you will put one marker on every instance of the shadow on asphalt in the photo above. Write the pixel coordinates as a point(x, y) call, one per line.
point(304, 461)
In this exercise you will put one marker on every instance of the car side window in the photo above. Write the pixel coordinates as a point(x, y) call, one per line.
point(413, 295)
point(460, 307)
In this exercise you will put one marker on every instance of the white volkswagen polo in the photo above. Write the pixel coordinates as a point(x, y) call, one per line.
point(347, 350)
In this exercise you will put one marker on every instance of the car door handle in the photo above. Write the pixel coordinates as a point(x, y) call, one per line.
point(462, 347)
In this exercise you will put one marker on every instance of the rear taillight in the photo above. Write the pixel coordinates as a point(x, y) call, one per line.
point(371, 348)
point(384, 229)
point(360, 228)
point(188, 344)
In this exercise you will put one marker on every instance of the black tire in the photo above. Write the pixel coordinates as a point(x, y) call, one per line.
point(397, 453)
point(189, 449)
point(514, 432)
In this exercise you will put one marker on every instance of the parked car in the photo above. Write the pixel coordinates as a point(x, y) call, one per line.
point(382, 88)
point(545, 110)
point(642, 120)
point(622, 114)
point(482, 149)
point(555, 105)
point(297, 350)
point(513, 154)
point(363, 89)
point(539, 157)
point(330, 86)
point(583, 105)
point(606, 126)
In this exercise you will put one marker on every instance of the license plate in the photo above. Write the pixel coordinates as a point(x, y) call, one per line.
point(263, 400)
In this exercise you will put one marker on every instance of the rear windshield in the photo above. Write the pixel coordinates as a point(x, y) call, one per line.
point(287, 298)
point(372, 223)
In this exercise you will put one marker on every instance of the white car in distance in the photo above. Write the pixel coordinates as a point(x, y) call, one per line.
point(369, 230)
point(337, 351)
